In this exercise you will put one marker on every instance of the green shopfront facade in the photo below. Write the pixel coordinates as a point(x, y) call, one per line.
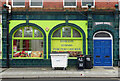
point(32, 36)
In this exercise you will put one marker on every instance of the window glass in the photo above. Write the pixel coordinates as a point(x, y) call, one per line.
point(37, 33)
point(57, 33)
point(27, 48)
point(18, 2)
point(18, 33)
point(69, 2)
point(76, 33)
point(102, 34)
point(66, 31)
point(36, 2)
point(86, 2)
point(28, 31)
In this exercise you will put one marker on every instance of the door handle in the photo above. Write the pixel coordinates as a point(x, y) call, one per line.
point(107, 56)
point(97, 56)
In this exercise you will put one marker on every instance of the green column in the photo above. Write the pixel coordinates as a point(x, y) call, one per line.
point(4, 38)
point(116, 37)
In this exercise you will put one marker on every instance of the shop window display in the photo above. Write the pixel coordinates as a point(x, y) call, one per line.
point(29, 45)
point(70, 41)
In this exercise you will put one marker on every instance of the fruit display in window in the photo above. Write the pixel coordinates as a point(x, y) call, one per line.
point(28, 54)
point(74, 53)
point(16, 54)
point(36, 54)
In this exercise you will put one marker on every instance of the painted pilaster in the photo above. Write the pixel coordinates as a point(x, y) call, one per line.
point(116, 37)
point(90, 23)
point(4, 37)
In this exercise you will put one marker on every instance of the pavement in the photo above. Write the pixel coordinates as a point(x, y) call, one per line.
point(39, 72)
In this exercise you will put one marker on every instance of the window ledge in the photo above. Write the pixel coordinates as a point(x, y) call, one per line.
point(87, 6)
point(36, 6)
point(17, 6)
point(70, 6)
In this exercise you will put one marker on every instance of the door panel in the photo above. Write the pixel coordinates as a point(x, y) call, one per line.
point(97, 53)
point(107, 53)
point(102, 53)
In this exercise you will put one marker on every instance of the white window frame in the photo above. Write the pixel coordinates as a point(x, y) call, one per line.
point(16, 6)
point(35, 6)
point(87, 6)
point(69, 6)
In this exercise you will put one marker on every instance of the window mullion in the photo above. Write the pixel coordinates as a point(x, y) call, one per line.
point(33, 34)
point(23, 32)
point(71, 33)
point(61, 33)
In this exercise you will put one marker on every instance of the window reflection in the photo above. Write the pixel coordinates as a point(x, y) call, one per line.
point(37, 33)
point(76, 33)
point(18, 33)
point(66, 31)
point(69, 2)
point(28, 31)
point(57, 33)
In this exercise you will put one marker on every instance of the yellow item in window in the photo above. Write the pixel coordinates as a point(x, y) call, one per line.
point(36, 54)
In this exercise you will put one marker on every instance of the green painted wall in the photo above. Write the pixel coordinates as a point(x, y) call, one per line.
point(14, 23)
point(84, 26)
point(1, 41)
point(50, 24)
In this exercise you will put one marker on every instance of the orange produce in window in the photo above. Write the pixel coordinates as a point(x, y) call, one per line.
point(36, 54)
point(16, 54)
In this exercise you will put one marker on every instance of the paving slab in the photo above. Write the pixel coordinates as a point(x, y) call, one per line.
point(48, 72)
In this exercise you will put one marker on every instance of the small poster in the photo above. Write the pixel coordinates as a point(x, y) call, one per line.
point(14, 48)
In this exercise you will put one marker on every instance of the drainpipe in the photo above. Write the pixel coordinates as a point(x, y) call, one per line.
point(8, 6)
point(9, 11)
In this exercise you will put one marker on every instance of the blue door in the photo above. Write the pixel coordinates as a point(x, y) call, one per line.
point(102, 52)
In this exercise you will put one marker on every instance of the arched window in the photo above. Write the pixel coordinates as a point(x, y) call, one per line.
point(67, 39)
point(28, 43)
point(102, 34)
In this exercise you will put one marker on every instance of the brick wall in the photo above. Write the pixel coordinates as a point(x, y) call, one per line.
point(58, 6)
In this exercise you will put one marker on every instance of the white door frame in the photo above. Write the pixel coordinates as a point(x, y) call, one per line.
point(103, 38)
